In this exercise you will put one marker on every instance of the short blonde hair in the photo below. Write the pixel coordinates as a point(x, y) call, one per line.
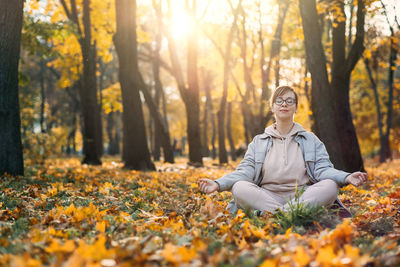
point(279, 91)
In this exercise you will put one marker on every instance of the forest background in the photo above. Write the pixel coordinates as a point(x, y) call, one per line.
point(244, 49)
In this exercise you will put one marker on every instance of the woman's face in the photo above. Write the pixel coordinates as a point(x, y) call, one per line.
point(284, 111)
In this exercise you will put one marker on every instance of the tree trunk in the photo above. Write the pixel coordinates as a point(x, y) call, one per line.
point(386, 152)
point(308, 97)
point(74, 107)
point(159, 121)
point(204, 140)
point(92, 129)
point(229, 132)
point(213, 136)
point(151, 132)
point(117, 132)
point(190, 93)
point(330, 101)
point(156, 142)
point(321, 99)
point(135, 151)
point(157, 84)
point(210, 110)
point(206, 81)
point(42, 95)
point(111, 132)
point(71, 135)
point(342, 67)
point(223, 157)
point(11, 159)
point(249, 84)
point(162, 136)
point(192, 103)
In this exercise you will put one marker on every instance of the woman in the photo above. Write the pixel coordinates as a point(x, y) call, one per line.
point(284, 157)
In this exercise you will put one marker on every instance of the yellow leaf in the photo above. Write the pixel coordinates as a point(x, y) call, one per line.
point(186, 255)
point(97, 251)
point(351, 251)
point(301, 257)
point(169, 253)
point(269, 263)
point(342, 233)
point(52, 192)
point(198, 244)
point(288, 231)
point(325, 255)
point(79, 215)
point(70, 209)
point(101, 226)
point(55, 246)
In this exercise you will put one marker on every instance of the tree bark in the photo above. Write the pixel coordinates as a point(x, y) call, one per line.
point(71, 135)
point(223, 157)
point(92, 129)
point(206, 80)
point(112, 132)
point(159, 121)
point(210, 109)
point(74, 107)
point(11, 159)
point(162, 136)
point(385, 152)
point(378, 106)
point(193, 117)
point(42, 95)
point(189, 93)
point(342, 66)
point(135, 151)
point(156, 138)
point(330, 100)
point(229, 132)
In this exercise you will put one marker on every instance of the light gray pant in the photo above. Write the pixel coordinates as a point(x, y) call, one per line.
point(251, 196)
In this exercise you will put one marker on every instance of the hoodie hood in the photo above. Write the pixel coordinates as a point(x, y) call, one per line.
point(273, 131)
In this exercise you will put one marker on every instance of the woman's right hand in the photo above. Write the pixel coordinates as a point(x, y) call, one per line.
point(207, 186)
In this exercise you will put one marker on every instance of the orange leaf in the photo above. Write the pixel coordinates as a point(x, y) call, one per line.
point(301, 257)
point(101, 226)
point(326, 255)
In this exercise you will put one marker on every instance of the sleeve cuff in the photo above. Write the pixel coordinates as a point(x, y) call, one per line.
point(344, 180)
point(219, 186)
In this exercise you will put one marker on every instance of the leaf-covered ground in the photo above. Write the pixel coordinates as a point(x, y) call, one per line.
point(68, 214)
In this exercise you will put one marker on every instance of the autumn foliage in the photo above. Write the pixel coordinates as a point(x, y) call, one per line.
point(68, 214)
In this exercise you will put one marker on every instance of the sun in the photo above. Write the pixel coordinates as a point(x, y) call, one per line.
point(181, 24)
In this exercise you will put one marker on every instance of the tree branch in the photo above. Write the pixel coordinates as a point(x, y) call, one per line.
point(357, 48)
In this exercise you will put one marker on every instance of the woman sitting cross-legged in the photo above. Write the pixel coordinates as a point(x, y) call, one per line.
point(284, 157)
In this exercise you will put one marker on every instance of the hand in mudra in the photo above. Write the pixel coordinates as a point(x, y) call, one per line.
point(207, 186)
point(357, 178)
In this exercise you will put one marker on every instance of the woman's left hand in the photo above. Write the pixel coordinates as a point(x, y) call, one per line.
point(357, 178)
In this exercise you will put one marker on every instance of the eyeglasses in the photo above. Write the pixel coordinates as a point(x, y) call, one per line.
point(289, 101)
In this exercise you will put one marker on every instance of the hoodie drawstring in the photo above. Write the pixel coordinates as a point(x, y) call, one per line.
point(285, 151)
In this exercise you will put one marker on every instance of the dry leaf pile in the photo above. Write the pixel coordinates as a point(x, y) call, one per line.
point(68, 214)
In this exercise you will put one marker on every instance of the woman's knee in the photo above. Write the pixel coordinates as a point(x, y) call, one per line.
point(240, 188)
point(330, 187)
point(321, 193)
